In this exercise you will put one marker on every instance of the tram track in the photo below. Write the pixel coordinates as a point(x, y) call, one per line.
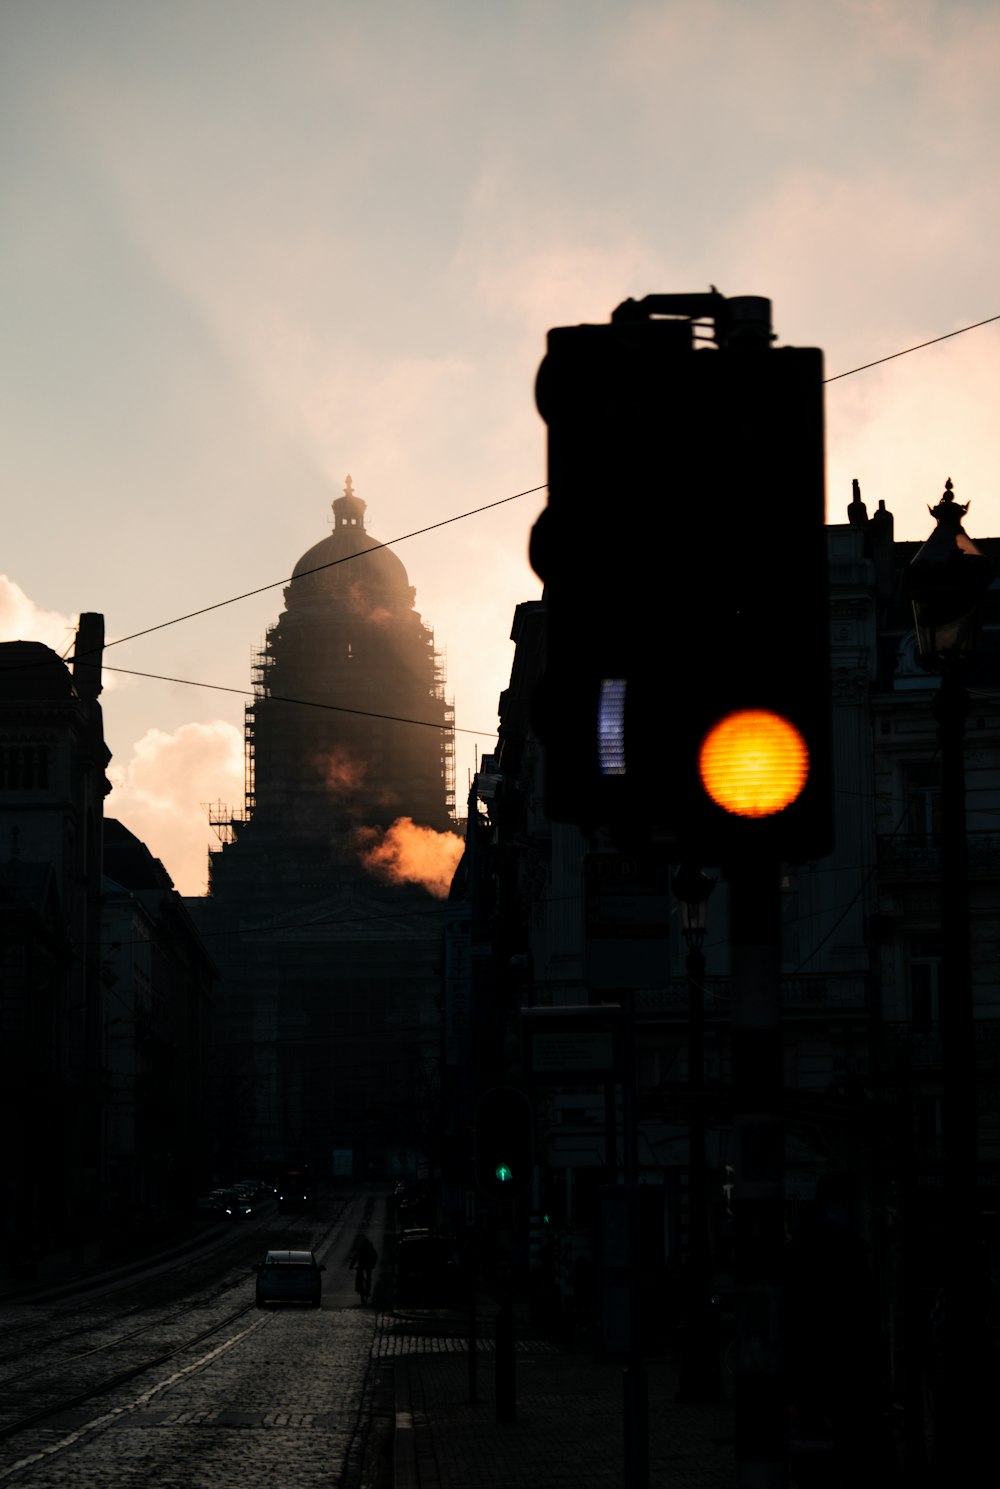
point(71, 1389)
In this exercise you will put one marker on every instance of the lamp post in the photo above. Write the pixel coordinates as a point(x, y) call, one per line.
point(700, 1371)
point(947, 581)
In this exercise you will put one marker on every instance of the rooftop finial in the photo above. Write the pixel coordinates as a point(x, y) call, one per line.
point(348, 487)
point(948, 509)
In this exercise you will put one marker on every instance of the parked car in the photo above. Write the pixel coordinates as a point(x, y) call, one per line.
point(217, 1204)
point(256, 1189)
point(206, 1208)
point(289, 1277)
point(413, 1203)
point(428, 1269)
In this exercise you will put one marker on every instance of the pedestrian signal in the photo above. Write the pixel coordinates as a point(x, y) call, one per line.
point(504, 1133)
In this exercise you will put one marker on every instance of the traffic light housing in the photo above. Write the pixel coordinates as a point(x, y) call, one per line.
point(684, 561)
point(504, 1133)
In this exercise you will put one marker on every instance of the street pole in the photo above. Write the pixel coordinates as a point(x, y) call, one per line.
point(947, 582)
point(957, 1422)
point(503, 1324)
point(635, 1395)
point(759, 1197)
point(700, 1367)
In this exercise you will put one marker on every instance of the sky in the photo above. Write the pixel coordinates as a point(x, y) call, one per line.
point(247, 249)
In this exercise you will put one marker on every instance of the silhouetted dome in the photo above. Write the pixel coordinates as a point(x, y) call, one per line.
point(379, 574)
point(29, 669)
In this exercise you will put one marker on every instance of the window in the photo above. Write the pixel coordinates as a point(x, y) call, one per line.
point(24, 767)
point(791, 948)
point(922, 800)
point(814, 1065)
point(924, 970)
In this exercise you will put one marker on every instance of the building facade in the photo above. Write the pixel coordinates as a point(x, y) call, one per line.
point(588, 955)
point(159, 981)
point(104, 986)
point(52, 787)
point(325, 930)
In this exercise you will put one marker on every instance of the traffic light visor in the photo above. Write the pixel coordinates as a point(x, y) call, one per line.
point(753, 763)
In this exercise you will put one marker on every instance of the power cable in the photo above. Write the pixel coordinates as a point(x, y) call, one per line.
point(475, 511)
point(907, 350)
point(275, 584)
point(363, 713)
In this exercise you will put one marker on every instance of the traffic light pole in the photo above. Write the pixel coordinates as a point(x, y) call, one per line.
point(505, 1355)
point(758, 1200)
point(635, 1400)
point(504, 1159)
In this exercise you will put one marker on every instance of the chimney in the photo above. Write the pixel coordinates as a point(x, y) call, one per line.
point(88, 655)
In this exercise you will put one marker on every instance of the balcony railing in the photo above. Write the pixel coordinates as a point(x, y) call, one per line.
point(917, 855)
point(796, 993)
point(920, 1048)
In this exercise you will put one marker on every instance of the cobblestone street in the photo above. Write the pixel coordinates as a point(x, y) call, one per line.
point(278, 1405)
point(353, 1397)
point(234, 1395)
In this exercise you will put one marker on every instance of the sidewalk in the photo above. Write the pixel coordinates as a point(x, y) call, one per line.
point(569, 1421)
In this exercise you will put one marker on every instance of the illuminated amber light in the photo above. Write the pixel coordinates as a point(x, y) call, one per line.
point(753, 763)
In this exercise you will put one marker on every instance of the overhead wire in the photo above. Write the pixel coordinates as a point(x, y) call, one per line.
point(488, 506)
point(365, 713)
point(377, 547)
point(476, 511)
point(908, 349)
point(319, 568)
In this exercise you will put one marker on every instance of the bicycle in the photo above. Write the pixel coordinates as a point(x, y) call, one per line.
point(362, 1284)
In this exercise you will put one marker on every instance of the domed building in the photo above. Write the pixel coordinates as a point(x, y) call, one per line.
point(329, 950)
point(349, 726)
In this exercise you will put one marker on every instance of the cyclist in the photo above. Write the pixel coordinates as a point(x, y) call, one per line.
point(364, 1257)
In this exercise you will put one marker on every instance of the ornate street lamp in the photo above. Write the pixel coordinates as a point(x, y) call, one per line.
point(947, 582)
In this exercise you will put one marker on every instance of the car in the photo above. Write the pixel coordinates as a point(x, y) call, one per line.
point(255, 1189)
point(428, 1269)
point(412, 1201)
point(294, 1193)
point(206, 1207)
point(289, 1277)
point(237, 1205)
point(217, 1204)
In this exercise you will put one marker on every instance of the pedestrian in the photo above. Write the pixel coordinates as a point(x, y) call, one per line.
point(364, 1257)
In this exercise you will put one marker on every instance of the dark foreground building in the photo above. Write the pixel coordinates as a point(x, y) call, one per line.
point(325, 903)
point(52, 787)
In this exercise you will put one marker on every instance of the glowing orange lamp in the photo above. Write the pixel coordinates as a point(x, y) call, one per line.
point(753, 763)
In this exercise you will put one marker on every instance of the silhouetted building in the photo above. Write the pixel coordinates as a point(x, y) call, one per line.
point(318, 912)
point(52, 787)
point(159, 983)
point(862, 970)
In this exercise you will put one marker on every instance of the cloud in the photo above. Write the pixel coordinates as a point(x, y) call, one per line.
point(162, 792)
point(22, 620)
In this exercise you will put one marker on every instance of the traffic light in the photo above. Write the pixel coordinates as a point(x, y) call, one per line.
point(504, 1142)
point(686, 692)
